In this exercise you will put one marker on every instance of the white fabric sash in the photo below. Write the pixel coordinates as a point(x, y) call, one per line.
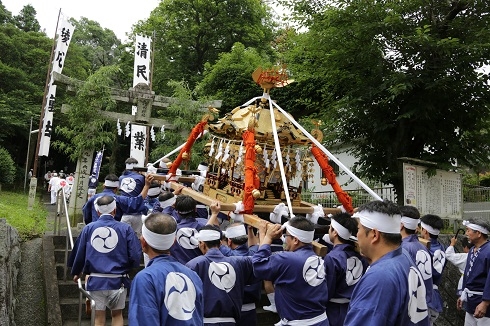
point(382, 222)
point(235, 231)
point(156, 240)
point(105, 209)
point(430, 229)
point(130, 166)
point(153, 192)
point(248, 306)
point(303, 322)
point(216, 320)
point(468, 294)
point(475, 227)
point(208, 235)
point(410, 223)
point(303, 236)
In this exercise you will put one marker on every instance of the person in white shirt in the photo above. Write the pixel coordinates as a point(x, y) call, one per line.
point(458, 259)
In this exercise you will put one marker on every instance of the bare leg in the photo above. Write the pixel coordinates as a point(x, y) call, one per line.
point(117, 317)
point(99, 317)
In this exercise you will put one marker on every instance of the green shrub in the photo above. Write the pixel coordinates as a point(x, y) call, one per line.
point(7, 167)
point(29, 223)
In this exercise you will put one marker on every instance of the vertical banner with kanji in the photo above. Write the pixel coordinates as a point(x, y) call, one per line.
point(64, 34)
point(97, 163)
point(138, 143)
point(142, 59)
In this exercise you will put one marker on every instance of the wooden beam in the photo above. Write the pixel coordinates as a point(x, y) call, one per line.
point(249, 219)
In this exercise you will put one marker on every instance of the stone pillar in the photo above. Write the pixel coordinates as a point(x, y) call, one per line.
point(80, 186)
point(9, 271)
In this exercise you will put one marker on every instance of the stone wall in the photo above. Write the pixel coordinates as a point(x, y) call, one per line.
point(9, 271)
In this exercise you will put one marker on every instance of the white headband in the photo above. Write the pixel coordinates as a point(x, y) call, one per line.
point(156, 240)
point(208, 235)
point(430, 229)
point(410, 223)
point(153, 192)
point(105, 209)
point(303, 236)
point(380, 221)
point(475, 227)
point(130, 166)
point(168, 202)
point(111, 184)
point(341, 230)
point(235, 231)
point(202, 167)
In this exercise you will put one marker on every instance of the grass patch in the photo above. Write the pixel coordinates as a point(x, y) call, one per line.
point(29, 224)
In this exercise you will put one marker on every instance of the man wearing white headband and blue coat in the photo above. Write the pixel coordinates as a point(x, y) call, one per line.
point(106, 251)
point(239, 243)
point(297, 273)
point(131, 184)
point(224, 278)
point(431, 227)
point(392, 291)
point(125, 205)
point(420, 254)
point(165, 293)
point(344, 266)
point(476, 279)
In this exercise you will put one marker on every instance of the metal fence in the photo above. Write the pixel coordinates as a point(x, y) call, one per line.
point(359, 196)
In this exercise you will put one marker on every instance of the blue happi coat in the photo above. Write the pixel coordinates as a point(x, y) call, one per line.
point(299, 281)
point(391, 292)
point(423, 259)
point(186, 245)
point(105, 246)
point(166, 293)
point(477, 277)
point(344, 267)
point(224, 280)
point(438, 253)
point(124, 205)
point(131, 183)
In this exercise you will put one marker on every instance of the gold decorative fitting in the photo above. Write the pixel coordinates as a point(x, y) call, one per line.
point(258, 149)
point(256, 193)
point(324, 181)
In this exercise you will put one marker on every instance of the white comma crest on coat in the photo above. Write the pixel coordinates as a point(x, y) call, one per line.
point(186, 238)
point(222, 275)
point(439, 260)
point(314, 271)
point(417, 305)
point(180, 296)
point(128, 184)
point(424, 264)
point(353, 272)
point(104, 239)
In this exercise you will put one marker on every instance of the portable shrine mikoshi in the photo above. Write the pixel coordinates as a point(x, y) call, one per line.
point(256, 153)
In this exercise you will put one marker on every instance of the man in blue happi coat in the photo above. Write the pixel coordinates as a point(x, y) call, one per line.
point(392, 291)
point(165, 293)
point(106, 251)
point(476, 278)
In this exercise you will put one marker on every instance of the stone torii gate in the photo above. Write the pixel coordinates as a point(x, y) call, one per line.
point(141, 96)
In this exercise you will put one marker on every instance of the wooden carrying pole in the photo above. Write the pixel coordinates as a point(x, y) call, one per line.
point(249, 219)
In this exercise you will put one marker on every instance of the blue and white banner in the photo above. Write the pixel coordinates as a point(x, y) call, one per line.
point(97, 163)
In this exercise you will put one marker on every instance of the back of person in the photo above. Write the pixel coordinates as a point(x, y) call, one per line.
point(131, 183)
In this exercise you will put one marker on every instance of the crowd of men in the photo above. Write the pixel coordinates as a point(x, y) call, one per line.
point(211, 271)
point(56, 181)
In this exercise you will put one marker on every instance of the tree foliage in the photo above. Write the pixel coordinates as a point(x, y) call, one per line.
point(7, 167)
point(26, 19)
point(401, 79)
point(86, 128)
point(189, 34)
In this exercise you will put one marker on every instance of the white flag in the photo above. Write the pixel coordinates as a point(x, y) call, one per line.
point(142, 56)
point(138, 143)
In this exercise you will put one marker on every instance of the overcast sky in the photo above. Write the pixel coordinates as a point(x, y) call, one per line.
point(117, 15)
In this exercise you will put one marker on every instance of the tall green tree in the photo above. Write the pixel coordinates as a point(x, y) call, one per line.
point(26, 19)
point(190, 33)
point(401, 79)
point(5, 15)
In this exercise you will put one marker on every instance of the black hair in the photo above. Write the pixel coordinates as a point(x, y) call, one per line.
point(433, 221)
point(105, 200)
point(465, 242)
point(481, 222)
point(410, 212)
point(347, 222)
point(300, 222)
point(186, 206)
point(165, 195)
point(111, 177)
